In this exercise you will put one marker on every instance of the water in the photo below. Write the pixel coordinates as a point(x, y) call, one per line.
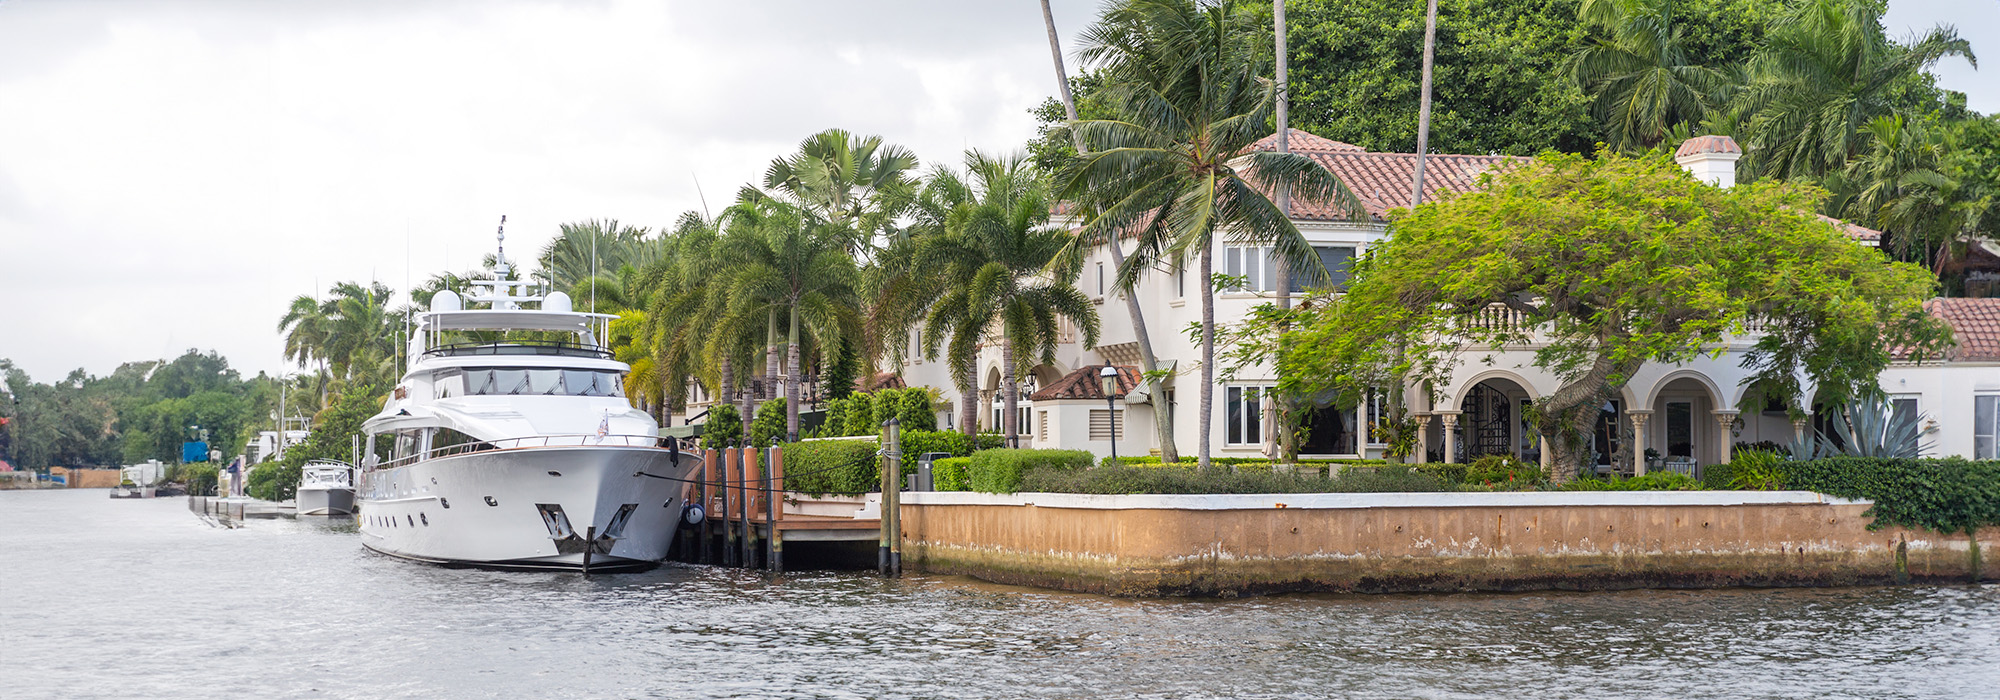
point(103, 598)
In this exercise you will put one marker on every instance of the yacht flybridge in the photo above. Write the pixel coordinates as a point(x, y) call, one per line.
point(509, 442)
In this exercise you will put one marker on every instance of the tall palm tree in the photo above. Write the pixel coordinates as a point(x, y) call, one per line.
point(1636, 67)
point(1163, 421)
point(595, 247)
point(1914, 183)
point(1002, 267)
point(786, 261)
point(1176, 168)
point(853, 182)
point(1826, 71)
point(306, 336)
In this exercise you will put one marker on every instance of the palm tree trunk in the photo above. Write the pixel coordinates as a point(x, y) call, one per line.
point(968, 403)
point(1424, 107)
point(770, 355)
point(1207, 349)
point(1163, 419)
point(1288, 448)
point(1008, 419)
point(792, 379)
point(1163, 423)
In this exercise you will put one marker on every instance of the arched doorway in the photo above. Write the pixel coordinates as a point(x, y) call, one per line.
point(1493, 420)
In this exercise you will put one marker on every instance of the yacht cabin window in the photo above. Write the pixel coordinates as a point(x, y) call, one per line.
point(503, 381)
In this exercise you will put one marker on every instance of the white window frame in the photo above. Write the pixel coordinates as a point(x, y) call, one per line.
point(1990, 432)
point(1252, 263)
point(1375, 413)
point(1251, 421)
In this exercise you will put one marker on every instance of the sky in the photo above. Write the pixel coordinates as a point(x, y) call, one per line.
point(172, 173)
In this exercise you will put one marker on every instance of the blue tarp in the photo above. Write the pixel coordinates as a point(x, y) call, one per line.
point(192, 452)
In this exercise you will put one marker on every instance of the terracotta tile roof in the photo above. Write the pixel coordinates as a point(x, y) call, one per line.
point(1854, 231)
point(1975, 323)
point(1083, 384)
point(1303, 142)
point(880, 380)
point(1382, 180)
point(1707, 144)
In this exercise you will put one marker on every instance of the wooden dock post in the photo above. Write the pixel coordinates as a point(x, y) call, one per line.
point(745, 554)
point(729, 527)
point(885, 555)
point(752, 495)
point(774, 510)
point(708, 460)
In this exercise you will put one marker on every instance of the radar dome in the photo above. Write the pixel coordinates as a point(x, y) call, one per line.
point(556, 301)
point(446, 300)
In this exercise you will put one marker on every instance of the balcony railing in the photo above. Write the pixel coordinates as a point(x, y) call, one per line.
point(520, 347)
point(531, 442)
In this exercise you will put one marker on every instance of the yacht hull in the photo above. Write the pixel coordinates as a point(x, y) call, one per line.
point(325, 500)
point(564, 507)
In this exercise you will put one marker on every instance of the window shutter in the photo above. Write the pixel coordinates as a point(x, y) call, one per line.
point(1101, 423)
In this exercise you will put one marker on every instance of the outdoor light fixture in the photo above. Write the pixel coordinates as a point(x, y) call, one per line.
point(1107, 379)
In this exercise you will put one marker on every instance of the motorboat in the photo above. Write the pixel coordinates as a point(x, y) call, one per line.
point(509, 443)
point(326, 487)
point(140, 480)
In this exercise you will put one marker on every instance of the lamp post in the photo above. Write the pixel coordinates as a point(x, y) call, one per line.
point(1107, 379)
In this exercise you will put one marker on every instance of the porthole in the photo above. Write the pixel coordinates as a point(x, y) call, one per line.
point(491, 502)
point(425, 518)
point(553, 472)
point(413, 521)
point(443, 502)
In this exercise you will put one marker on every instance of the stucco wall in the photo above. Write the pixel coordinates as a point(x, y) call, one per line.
point(1205, 545)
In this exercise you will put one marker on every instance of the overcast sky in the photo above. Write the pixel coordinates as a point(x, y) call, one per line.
point(171, 173)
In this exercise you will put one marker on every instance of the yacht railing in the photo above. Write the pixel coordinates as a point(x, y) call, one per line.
point(519, 347)
point(532, 442)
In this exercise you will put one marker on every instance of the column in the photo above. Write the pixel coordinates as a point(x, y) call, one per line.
point(1422, 451)
point(1450, 419)
point(1548, 460)
point(1639, 418)
point(1799, 427)
point(1726, 420)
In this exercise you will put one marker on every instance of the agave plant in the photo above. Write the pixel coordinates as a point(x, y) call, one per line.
point(1873, 429)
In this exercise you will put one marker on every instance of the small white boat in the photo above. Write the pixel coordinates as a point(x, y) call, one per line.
point(326, 488)
point(140, 480)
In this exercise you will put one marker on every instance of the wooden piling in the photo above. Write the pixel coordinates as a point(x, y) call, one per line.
point(774, 509)
point(728, 530)
point(885, 554)
point(745, 555)
point(707, 480)
point(753, 496)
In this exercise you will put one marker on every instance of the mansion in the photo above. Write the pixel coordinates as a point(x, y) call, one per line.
point(1683, 415)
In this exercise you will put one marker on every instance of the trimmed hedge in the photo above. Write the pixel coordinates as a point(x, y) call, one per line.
point(949, 474)
point(917, 442)
point(1000, 471)
point(1949, 495)
point(1655, 481)
point(832, 466)
point(1187, 480)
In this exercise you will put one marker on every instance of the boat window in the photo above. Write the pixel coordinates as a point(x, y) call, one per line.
point(406, 444)
point(447, 437)
point(543, 382)
point(448, 383)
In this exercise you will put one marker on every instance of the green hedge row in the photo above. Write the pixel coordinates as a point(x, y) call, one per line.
point(863, 413)
point(949, 474)
point(832, 466)
point(1948, 495)
point(1191, 480)
point(1001, 470)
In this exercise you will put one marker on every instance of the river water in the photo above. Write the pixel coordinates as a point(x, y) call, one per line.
point(143, 599)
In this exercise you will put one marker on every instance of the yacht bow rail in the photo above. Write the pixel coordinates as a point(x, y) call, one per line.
point(534, 442)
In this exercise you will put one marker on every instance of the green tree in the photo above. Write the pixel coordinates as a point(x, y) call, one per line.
point(1637, 66)
point(784, 260)
point(1609, 264)
point(856, 183)
point(1826, 72)
point(1929, 186)
point(1176, 166)
point(1000, 266)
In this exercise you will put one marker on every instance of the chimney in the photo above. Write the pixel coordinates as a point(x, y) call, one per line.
point(1712, 159)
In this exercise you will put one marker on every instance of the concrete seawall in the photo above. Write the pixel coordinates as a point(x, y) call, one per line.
point(1385, 542)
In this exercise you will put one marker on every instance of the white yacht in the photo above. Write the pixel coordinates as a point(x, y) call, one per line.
point(326, 487)
point(510, 443)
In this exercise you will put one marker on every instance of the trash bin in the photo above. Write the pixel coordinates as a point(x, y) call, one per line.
point(921, 480)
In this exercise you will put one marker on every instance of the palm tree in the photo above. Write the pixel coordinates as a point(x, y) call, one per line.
point(1826, 72)
point(1177, 169)
point(1163, 422)
point(1001, 266)
point(1916, 184)
point(305, 327)
point(853, 182)
point(595, 247)
point(785, 260)
point(1636, 67)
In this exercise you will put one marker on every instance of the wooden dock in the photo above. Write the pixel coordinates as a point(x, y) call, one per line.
point(747, 527)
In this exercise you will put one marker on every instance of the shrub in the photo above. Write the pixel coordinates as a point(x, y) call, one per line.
point(724, 427)
point(860, 415)
point(1188, 480)
point(1654, 481)
point(914, 409)
point(274, 481)
point(1501, 471)
point(1752, 470)
point(1454, 473)
point(948, 474)
point(769, 426)
point(832, 466)
point(201, 478)
point(835, 422)
point(1950, 495)
point(1000, 471)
